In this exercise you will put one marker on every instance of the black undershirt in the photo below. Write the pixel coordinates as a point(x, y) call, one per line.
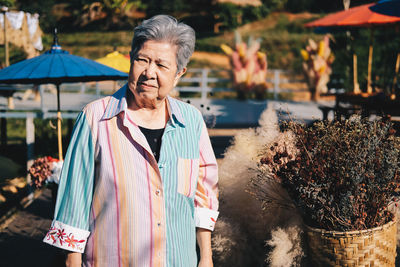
point(153, 137)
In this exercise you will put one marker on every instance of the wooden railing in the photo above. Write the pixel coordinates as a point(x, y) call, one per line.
point(205, 80)
point(200, 80)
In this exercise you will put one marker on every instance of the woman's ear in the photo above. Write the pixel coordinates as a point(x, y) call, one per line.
point(178, 76)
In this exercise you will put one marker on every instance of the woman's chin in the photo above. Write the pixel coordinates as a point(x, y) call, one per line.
point(148, 96)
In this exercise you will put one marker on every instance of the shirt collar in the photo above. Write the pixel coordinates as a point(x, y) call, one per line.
point(174, 111)
point(118, 103)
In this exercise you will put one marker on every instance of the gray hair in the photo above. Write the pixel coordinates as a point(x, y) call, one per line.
point(166, 28)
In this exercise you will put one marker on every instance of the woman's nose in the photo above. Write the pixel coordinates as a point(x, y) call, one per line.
point(150, 71)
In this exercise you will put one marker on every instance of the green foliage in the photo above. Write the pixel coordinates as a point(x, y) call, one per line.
point(385, 49)
point(113, 4)
point(9, 169)
point(203, 24)
point(317, 6)
point(274, 4)
point(229, 14)
point(252, 13)
point(16, 54)
point(232, 16)
point(45, 140)
point(43, 8)
point(7, 3)
point(172, 7)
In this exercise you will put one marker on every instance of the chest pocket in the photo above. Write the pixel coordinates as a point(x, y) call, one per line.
point(188, 172)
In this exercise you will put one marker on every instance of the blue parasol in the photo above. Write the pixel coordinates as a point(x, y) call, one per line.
point(57, 66)
point(387, 7)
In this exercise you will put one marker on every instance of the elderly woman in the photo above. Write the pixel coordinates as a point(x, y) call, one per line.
point(139, 181)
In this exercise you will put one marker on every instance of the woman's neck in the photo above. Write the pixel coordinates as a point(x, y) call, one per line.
point(148, 116)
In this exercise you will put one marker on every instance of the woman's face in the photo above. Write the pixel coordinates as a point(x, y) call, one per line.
point(153, 72)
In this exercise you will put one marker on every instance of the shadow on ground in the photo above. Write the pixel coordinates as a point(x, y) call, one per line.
point(21, 241)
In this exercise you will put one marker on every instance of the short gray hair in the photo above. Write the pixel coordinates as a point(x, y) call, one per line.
point(166, 28)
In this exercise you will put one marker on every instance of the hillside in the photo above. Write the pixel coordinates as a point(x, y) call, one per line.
point(283, 35)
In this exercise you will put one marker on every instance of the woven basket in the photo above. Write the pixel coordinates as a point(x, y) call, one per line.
point(372, 247)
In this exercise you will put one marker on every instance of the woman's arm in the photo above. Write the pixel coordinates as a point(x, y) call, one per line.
point(206, 198)
point(74, 259)
point(70, 227)
point(204, 242)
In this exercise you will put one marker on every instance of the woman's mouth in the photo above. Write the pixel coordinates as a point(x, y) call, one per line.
point(146, 85)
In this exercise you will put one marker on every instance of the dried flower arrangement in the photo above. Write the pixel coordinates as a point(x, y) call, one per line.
point(249, 67)
point(340, 175)
point(44, 170)
point(317, 61)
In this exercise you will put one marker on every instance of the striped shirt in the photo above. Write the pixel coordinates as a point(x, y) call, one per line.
point(120, 207)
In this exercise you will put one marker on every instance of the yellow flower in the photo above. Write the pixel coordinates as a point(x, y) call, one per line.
point(260, 55)
point(321, 48)
point(304, 54)
point(226, 49)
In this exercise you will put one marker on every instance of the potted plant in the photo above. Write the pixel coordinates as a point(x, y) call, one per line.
point(46, 171)
point(342, 177)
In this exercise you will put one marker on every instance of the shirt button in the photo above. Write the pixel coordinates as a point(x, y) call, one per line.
point(158, 192)
point(159, 224)
point(161, 165)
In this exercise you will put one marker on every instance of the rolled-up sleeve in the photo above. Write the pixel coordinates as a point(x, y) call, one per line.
point(70, 227)
point(206, 198)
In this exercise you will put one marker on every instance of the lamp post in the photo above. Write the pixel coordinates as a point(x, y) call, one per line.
point(4, 9)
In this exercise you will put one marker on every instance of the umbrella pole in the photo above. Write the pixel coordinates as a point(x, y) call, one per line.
point(356, 86)
point(396, 71)
point(59, 135)
point(371, 49)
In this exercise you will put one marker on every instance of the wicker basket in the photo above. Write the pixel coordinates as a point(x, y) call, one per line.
point(372, 247)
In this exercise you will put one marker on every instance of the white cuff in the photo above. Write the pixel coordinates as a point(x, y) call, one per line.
point(66, 237)
point(205, 218)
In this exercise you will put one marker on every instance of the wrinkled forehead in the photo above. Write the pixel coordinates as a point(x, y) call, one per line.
point(139, 46)
point(159, 51)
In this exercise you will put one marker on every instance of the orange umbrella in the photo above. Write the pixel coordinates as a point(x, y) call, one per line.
point(360, 16)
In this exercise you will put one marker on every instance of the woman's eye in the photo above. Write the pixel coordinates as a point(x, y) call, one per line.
point(141, 59)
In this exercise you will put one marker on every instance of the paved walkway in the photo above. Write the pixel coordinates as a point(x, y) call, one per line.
point(21, 241)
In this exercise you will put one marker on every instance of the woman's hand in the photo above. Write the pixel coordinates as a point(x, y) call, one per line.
point(206, 262)
point(74, 259)
point(204, 241)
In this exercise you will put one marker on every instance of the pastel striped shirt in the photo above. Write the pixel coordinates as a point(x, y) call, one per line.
point(117, 205)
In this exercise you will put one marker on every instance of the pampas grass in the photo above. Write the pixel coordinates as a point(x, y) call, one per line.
point(243, 226)
point(227, 243)
point(287, 250)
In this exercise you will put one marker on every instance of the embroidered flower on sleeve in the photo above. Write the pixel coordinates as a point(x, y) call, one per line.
point(72, 242)
point(58, 235)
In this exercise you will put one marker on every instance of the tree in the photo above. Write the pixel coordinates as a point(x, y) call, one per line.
point(7, 3)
